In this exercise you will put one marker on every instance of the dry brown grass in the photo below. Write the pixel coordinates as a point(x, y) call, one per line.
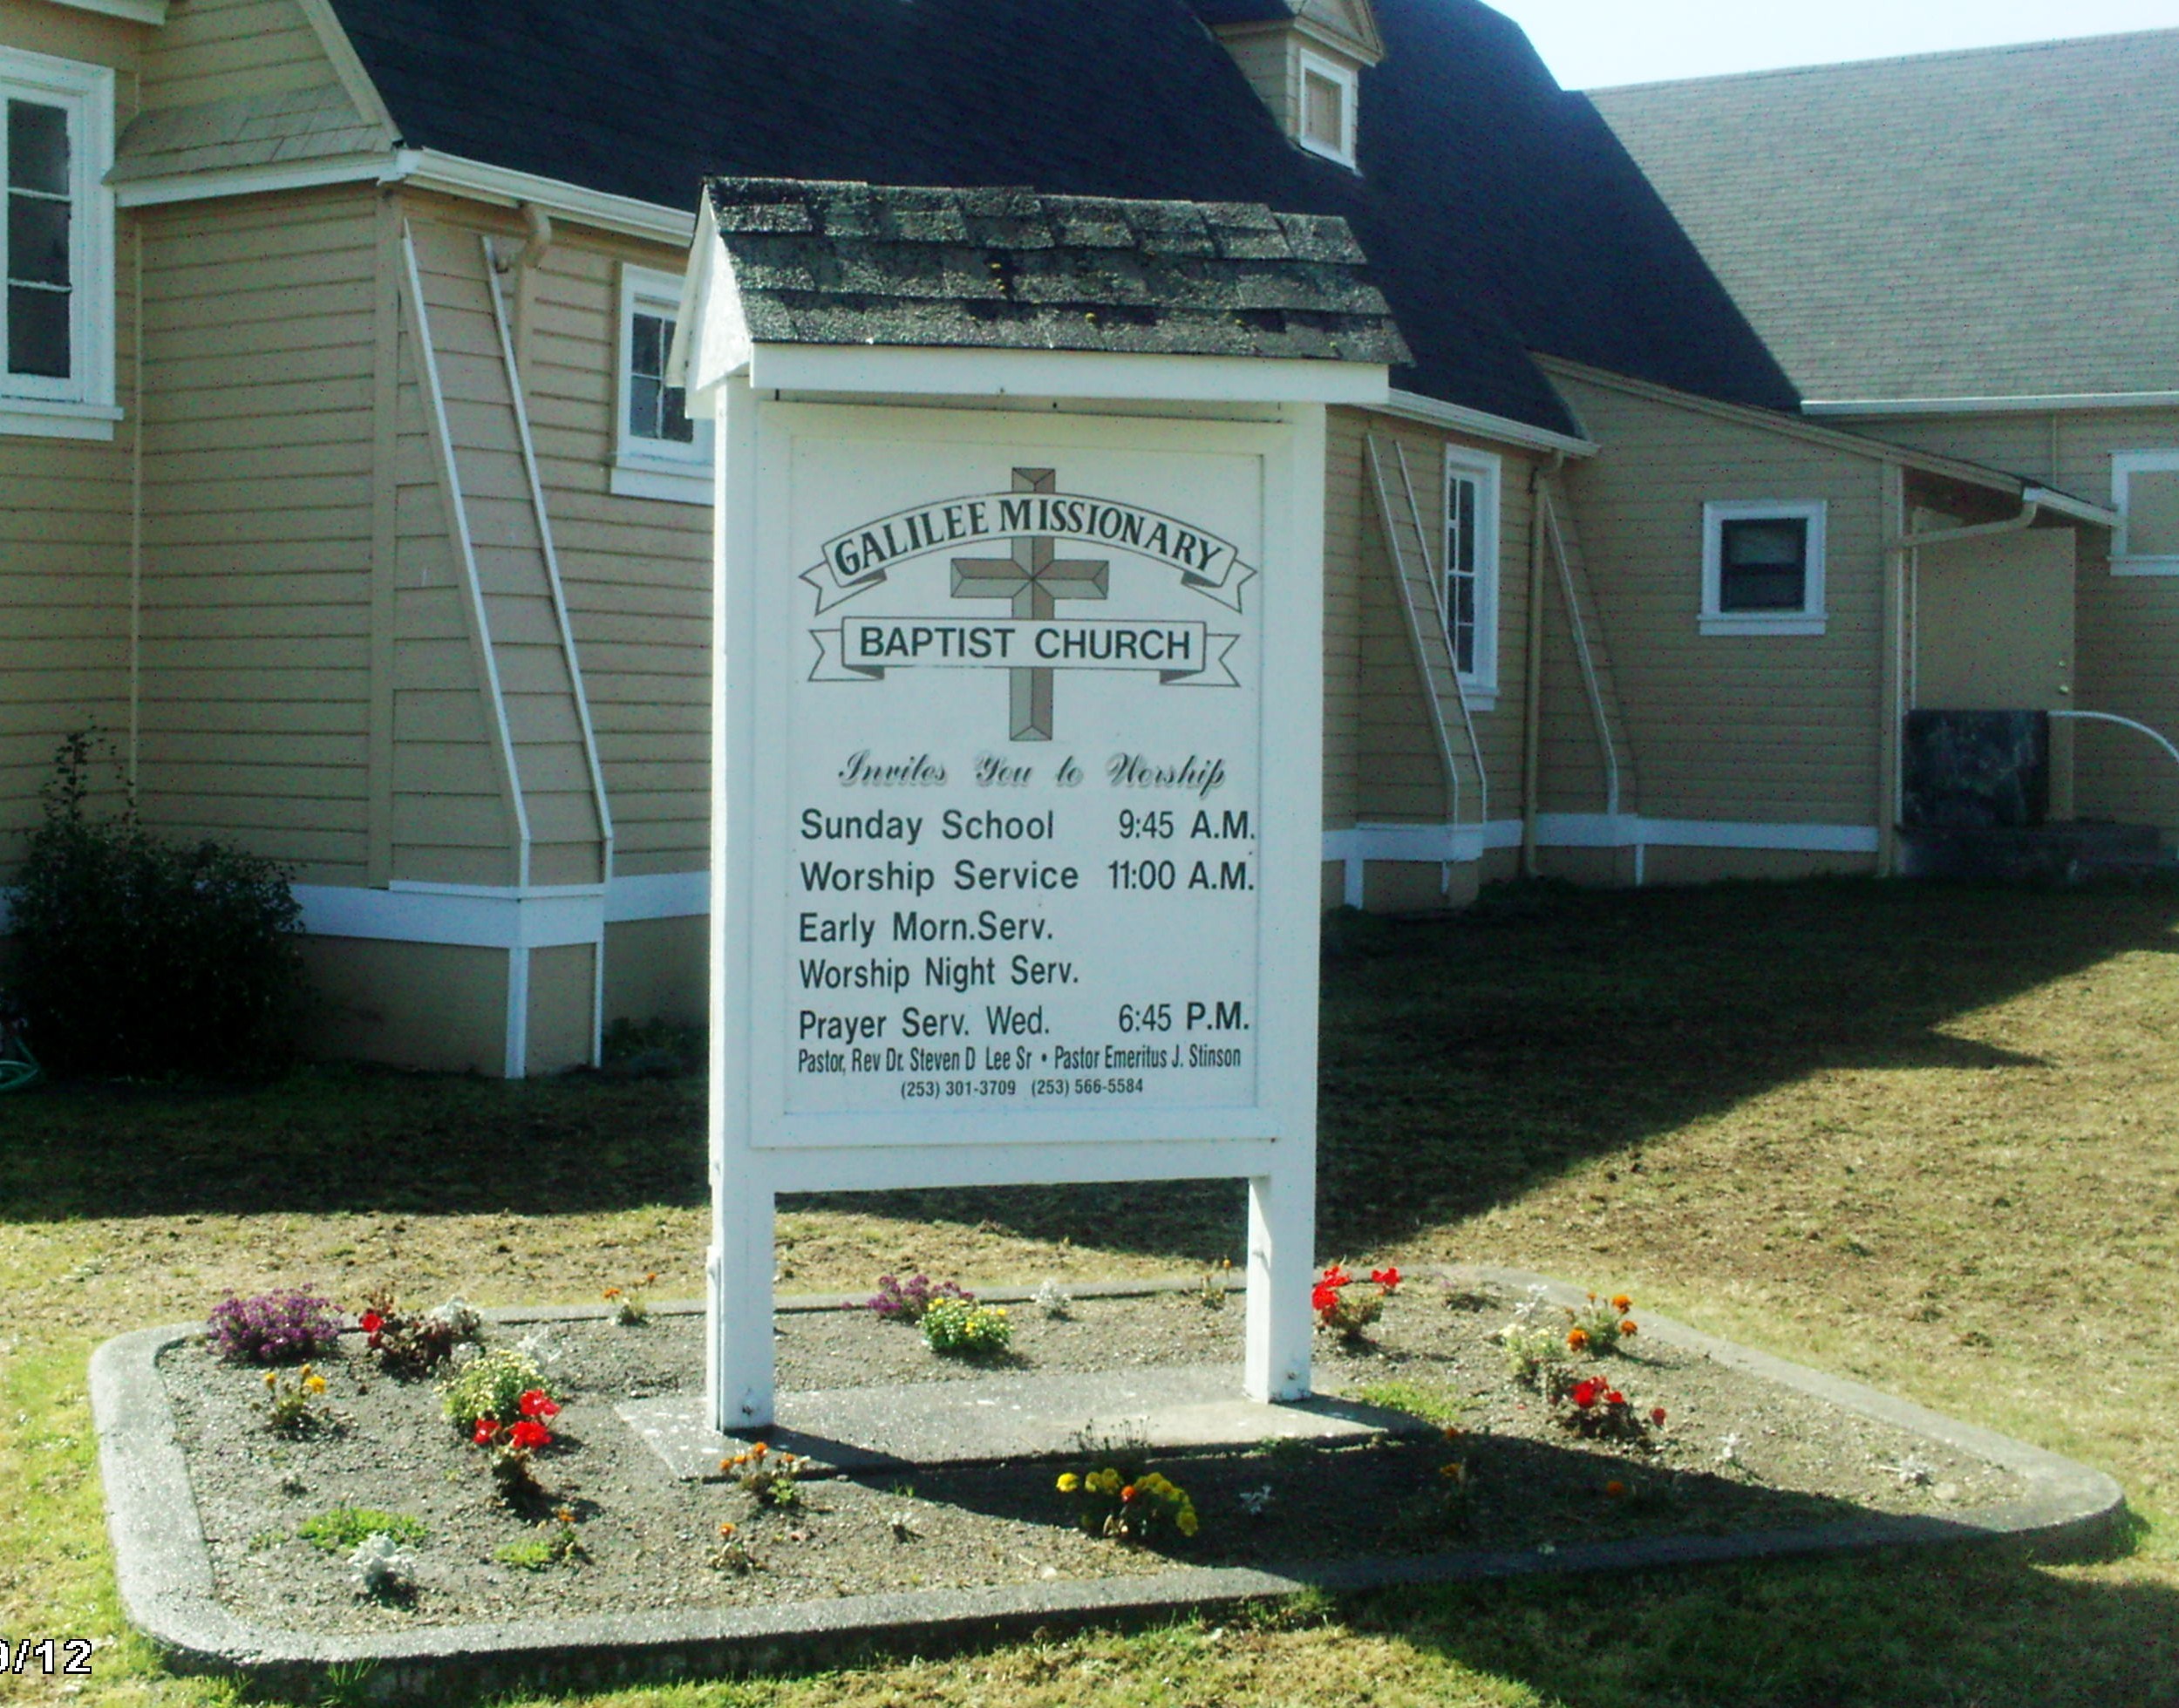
point(1926, 1137)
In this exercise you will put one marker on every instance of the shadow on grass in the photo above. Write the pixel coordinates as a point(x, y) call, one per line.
point(1986, 1626)
point(1463, 1061)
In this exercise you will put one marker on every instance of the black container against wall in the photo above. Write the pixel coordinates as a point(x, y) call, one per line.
point(1976, 770)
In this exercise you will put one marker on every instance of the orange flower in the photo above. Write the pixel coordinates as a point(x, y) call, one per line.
point(1615, 1489)
point(1620, 1302)
point(1128, 1492)
point(727, 1526)
point(1577, 1338)
point(758, 1450)
point(1627, 1327)
point(611, 1293)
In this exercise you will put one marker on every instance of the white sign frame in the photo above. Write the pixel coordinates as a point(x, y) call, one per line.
point(759, 1150)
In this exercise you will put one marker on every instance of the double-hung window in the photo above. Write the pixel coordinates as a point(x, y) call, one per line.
point(2145, 492)
point(56, 246)
point(660, 452)
point(1471, 571)
point(1762, 566)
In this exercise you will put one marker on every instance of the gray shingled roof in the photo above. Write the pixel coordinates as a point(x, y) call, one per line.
point(2002, 222)
point(851, 264)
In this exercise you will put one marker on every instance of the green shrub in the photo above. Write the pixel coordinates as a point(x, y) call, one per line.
point(138, 955)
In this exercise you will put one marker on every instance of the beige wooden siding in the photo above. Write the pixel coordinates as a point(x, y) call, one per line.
point(636, 571)
point(2128, 627)
point(1393, 759)
point(64, 519)
point(217, 49)
point(1586, 760)
point(1344, 483)
point(1268, 59)
point(1769, 729)
point(257, 476)
point(538, 689)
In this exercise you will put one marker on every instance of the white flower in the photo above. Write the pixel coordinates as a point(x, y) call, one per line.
point(538, 1346)
point(1052, 1299)
point(1254, 1501)
point(1729, 1449)
point(380, 1565)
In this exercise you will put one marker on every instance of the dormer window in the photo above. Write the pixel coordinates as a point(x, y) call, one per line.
point(1305, 59)
point(1328, 92)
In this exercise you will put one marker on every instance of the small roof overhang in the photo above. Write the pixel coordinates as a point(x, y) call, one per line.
point(850, 288)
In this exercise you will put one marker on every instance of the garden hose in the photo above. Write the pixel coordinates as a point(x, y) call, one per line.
point(18, 1070)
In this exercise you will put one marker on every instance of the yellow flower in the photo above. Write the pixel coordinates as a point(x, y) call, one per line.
point(315, 1385)
point(1186, 1523)
point(272, 1380)
point(1069, 1482)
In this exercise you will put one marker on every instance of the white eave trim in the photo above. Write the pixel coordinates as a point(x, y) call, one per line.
point(424, 169)
point(137, 11)
point(428, 169)
point(2018, 405)
point(921, 372)
point(1414, 406)
point(251, 180)
point(2065, 505)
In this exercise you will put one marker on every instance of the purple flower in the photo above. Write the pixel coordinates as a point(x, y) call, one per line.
point(273, 1328)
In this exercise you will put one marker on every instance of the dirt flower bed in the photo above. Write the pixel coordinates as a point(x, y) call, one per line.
point(1644, 1439)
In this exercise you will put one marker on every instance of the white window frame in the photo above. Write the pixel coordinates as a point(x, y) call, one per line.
point(2124, 466)
point(1479, 685)
point(1810, 618)
point(653, 467)
point(1349, 81)
point(82, 406)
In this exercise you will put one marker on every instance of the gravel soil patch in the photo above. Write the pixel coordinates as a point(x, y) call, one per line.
point(1505, 1473)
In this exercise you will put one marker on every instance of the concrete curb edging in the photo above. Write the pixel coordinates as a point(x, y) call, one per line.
point(164, 1568)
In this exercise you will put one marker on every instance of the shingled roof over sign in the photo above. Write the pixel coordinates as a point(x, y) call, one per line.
point(1499, 214)
point(997, 269)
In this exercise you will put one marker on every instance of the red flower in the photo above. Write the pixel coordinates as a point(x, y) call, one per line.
point(1585, 1391)
point(526, 1434)
point(370, 1323)
point(1335, 1276)
point(1657, 1416)
point(486, 1428)
point(1388, 1277)
point(1324, 1297)
point(538, 1403)
point(1613, 1396)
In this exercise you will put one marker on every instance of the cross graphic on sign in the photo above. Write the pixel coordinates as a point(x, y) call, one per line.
point(1036, 580)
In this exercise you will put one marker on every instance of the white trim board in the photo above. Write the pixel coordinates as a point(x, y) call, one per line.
point(137, 11)
point(1414, 406)
point(459, 915)
point(1437, 843)
point(902, 371)
point(2030, 404)
point(489, 916)
point(1626, 830)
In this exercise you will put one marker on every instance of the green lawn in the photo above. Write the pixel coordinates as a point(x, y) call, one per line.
point(1926, 1137)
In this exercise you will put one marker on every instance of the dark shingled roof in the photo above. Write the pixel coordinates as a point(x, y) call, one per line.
point(1001, 269)
point(1500, 214)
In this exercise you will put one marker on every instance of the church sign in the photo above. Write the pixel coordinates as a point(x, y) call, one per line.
point(1017, 709)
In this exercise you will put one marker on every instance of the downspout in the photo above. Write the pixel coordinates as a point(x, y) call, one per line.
point(2031, 507)
point(136, 522)
point(524, 267)
point(1532, 682)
